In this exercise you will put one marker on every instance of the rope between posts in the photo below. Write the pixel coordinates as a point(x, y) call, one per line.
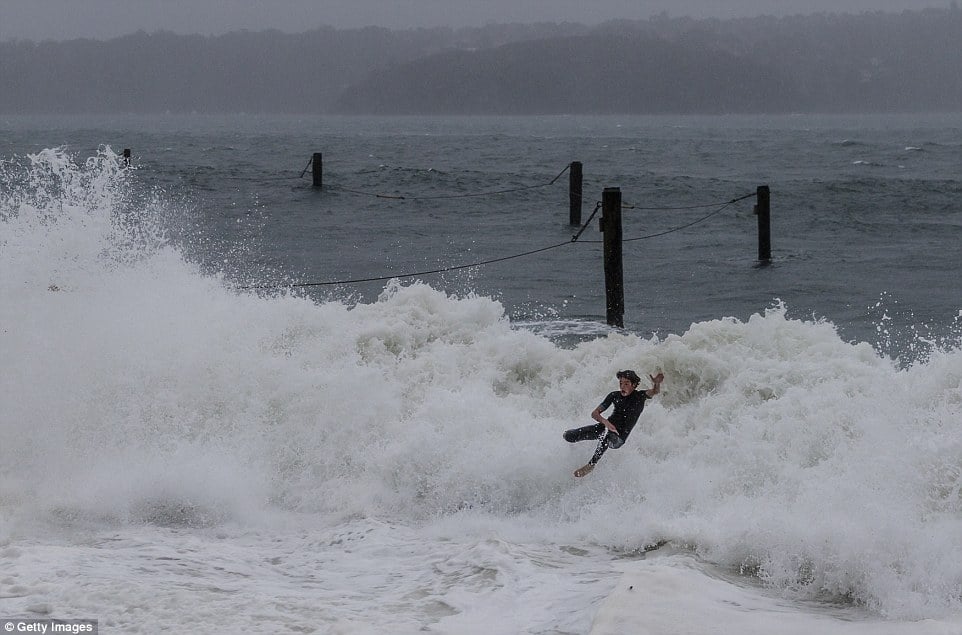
point(685, 226)
point(410, 275)
point(248, 179)
point(433, 271)
point(480, 263)
point(401, 197)
point(416, 274)
point(678, 208)
point(306, 167)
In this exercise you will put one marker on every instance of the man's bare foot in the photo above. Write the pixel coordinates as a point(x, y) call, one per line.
point(585, 469)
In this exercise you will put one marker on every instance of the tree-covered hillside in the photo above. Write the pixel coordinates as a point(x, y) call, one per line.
point(874, 62)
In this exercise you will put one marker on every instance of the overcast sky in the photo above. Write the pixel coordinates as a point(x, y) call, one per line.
point(102, 19)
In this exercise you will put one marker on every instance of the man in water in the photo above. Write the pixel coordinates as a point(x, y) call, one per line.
point(612, 432)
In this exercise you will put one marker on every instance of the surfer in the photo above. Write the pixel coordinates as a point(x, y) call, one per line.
point(612, 431)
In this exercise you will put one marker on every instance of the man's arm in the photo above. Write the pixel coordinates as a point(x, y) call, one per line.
point(597, 416)
point(656, 384)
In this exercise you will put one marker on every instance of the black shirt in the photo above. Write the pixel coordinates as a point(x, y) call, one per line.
point(627, 409)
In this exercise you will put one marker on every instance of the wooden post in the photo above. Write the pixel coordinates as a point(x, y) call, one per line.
point(764, 211)
point(317, 165)
point(574, 193)
point(127, 157)
point(614, 275)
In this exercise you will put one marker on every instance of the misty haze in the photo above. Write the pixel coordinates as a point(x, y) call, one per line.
point(872, 62)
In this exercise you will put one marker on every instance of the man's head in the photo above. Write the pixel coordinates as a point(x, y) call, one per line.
point(628, 380)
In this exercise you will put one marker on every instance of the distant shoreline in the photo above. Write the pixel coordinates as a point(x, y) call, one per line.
point(838, 63)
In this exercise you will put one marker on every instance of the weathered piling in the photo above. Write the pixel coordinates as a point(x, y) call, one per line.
point(317, 169)
point(574, 193)
point(764, 212)
point(614, 275)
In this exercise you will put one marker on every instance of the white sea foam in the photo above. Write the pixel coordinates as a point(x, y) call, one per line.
point(677, 595)
point(412, 446)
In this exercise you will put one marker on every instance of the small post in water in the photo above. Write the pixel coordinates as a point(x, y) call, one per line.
point(614, 275)
point(317, 169)
point(764, 211)
point(127, 157)
point(574, 193)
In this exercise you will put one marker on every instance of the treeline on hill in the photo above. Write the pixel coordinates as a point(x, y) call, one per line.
point(874, 62)
point(265, 71)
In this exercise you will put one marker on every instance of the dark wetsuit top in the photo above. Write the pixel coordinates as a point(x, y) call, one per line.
point(627, 410)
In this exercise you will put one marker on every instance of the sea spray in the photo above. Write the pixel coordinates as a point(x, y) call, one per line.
point(808, 462)
point(140, 390)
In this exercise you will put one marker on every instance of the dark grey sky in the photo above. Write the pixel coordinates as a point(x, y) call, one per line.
point(65, 19)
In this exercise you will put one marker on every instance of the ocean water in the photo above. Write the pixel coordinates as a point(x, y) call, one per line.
point(200, 430)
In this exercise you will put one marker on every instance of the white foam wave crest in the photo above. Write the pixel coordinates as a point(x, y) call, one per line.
point(137, 389)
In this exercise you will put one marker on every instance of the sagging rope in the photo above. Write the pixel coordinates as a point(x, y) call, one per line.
point(248, 179)
point(685, 226)
point(693, 223)
point(407, 275)
point(400, 197)
point(481, 263)
point(678, 208)
point(306, 167)
point(432, 271)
